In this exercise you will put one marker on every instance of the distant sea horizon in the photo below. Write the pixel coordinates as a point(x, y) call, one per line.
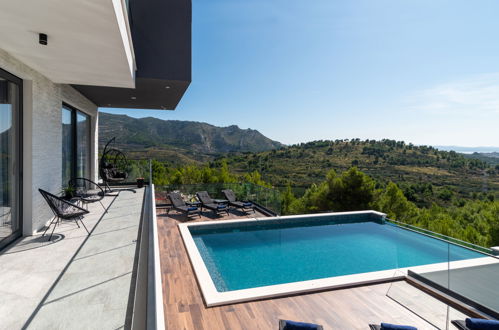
point(468, 150)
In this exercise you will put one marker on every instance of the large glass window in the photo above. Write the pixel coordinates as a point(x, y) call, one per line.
point(82, 139)
point(10, 185)
point(75, 144)
point(67, 145)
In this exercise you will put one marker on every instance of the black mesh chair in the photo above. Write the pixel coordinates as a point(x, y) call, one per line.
point(87, 191)
point(63, 210)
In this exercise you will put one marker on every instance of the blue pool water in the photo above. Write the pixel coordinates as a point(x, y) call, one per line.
point(260, 255)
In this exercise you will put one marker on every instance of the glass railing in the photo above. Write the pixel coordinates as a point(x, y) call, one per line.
point(138, 169)
point(267, 198)
point(462, 270)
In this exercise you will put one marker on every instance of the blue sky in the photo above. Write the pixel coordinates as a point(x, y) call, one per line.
point(425, 72)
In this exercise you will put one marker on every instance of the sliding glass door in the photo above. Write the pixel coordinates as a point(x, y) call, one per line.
point(75, 144)
point(10, 164)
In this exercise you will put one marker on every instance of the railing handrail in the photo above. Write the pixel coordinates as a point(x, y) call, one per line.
point(155, 310)
point(148, 311)
point(446, 238)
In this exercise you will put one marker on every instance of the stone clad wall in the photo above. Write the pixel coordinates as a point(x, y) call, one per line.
point(42, 138)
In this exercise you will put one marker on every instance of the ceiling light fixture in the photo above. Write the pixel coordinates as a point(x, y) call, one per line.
point(42, 39)
point(133, 97)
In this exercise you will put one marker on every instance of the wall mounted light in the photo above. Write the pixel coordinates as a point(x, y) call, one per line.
point(42, 39)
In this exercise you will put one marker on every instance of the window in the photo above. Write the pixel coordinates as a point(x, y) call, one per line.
point(10, 157)
point(82, 144)
point(75, 144)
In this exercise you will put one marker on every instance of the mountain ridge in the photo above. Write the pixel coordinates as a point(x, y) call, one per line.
point(195, 141)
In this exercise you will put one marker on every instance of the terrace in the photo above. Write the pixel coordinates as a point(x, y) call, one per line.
point(133, 271)
point(402, 299)
point(95, 281)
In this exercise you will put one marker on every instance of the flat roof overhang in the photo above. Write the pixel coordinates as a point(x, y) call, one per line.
point(89, 42)
point(161, 31)
point(156, 94)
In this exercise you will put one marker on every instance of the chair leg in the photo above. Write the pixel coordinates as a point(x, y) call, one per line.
point(84, 226)
point(52, 233)
point(50, 224)
point(105, 210)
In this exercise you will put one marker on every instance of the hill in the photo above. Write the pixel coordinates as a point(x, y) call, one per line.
point(424, 173)
point(178, 142)
point(490, 157)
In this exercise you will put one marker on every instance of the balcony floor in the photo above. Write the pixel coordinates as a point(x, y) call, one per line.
point(74, 281)
point(352, 308)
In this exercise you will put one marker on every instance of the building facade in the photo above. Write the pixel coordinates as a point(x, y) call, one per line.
point(60, 60)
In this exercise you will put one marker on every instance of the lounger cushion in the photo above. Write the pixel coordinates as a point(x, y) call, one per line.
point(388, 326)
point(220, 207)
point(481, 324)
point(247, 204)
point(291, 325)
point(192, 208)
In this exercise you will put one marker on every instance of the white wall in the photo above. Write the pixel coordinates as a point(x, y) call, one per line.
point(42, 138)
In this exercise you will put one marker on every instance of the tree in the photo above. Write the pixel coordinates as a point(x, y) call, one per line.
point(256, 178)
point(287, 200)
point(394, 203)
point(159, 173)
point(351, 191)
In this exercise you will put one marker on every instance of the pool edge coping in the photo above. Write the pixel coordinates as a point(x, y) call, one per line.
point(213, 297)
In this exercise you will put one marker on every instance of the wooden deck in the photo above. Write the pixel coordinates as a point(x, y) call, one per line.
point(352, 308)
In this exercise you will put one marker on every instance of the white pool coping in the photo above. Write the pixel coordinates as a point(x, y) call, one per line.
point(212, 297)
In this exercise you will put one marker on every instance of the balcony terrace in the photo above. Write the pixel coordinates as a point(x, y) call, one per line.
point(78, 280)
point(134, 272)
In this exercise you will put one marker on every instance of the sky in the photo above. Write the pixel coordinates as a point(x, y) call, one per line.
point(421, 71)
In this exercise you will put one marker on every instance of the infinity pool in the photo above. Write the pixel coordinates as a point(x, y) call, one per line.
point(262, 253)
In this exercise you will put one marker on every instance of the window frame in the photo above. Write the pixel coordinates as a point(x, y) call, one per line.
point(74, 137)
point(18, 168)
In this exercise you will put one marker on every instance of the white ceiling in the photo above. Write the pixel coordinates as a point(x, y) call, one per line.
point(88, 40)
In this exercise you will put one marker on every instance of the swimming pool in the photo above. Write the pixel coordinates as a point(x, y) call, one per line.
point(250, 254)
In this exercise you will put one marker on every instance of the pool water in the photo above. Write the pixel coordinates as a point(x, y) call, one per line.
point(259, 255)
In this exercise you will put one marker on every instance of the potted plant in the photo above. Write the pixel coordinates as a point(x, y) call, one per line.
point(68, 192)
point(140, 182)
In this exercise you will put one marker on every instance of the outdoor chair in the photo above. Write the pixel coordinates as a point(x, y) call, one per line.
point(388, 326)
point(63, 210)
point(179, 204)
point(475, 323)
point(113, 167)
point(292, 325)
point(231, 197)
point(87, 191)
point(210, 204)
